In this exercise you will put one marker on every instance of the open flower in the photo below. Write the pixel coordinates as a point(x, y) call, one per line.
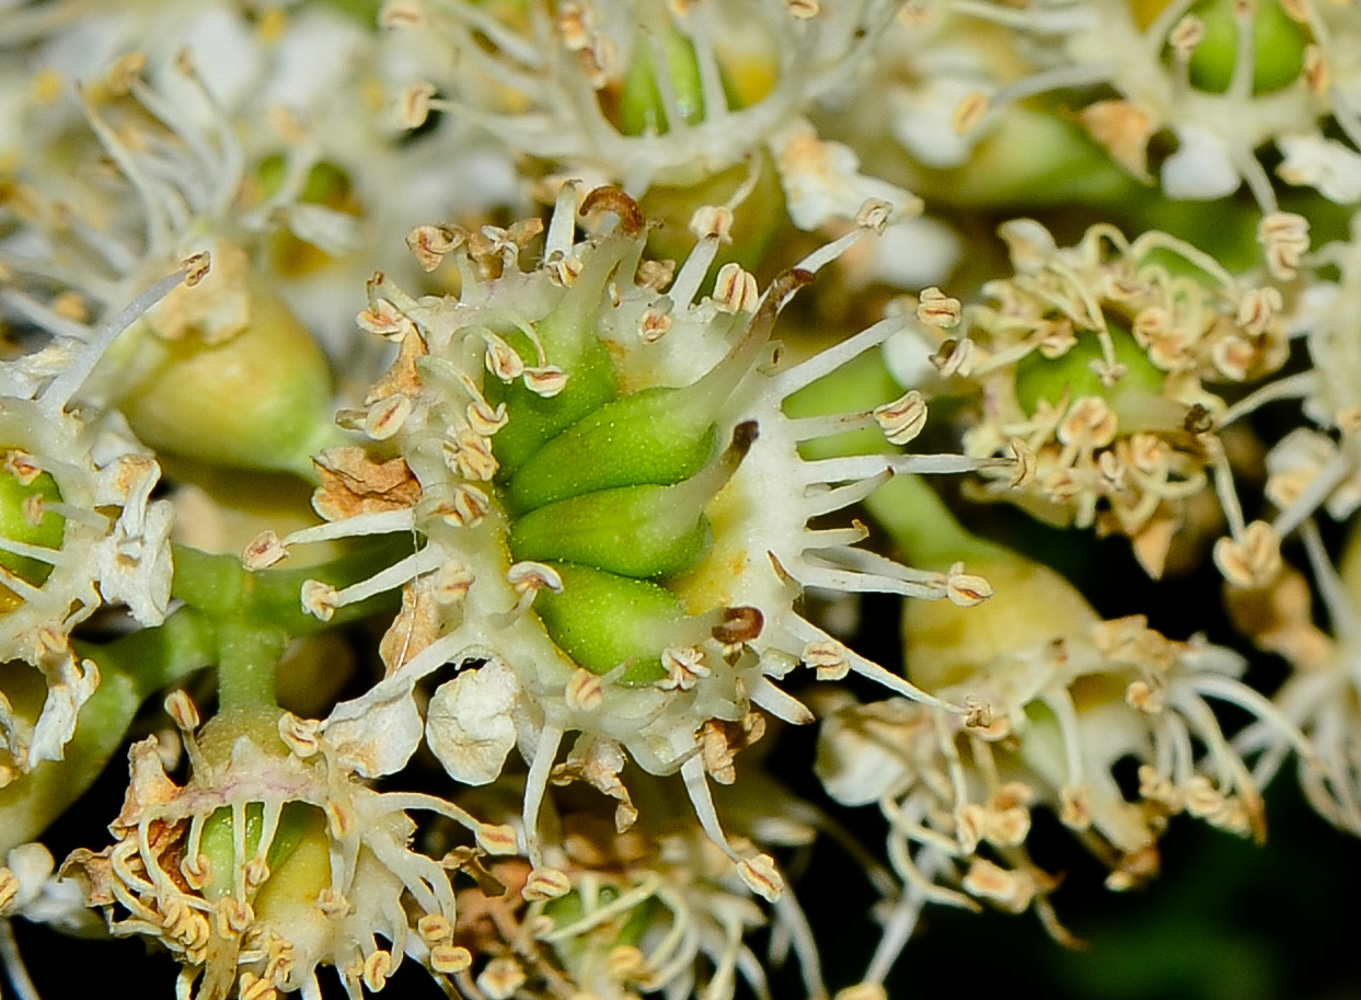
point(1223, 79)
point(612, 508)
point(1060, 700)
point(655, 908)
point(1093, 363)
point(79, 529)
point(658, 93)
point(273, 860)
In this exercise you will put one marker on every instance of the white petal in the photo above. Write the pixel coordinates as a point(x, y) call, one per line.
point(469, 725)
point(1200, 169)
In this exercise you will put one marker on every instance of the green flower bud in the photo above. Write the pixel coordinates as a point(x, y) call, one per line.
point(260, 399)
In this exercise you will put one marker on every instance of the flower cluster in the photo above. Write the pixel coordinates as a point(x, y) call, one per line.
point(446, 446)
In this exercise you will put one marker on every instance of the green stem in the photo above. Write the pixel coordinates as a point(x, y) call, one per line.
point(221, 587)
point(924, 529)
point(246, 659)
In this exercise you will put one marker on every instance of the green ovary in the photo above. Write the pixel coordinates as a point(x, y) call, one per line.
point(217, 845)
point(614, 503)
point(1040, 378)
point(16, 526)
point(1278, 44)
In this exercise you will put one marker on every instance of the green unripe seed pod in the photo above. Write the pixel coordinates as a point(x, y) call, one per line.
point(602, 620)
point(1278, 44)
point(660, 435)
point(16, 509)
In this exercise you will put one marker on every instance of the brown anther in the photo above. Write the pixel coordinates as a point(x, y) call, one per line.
point(828, 658)
point(233, 916)
point(546, 380)
point(1252, 561)
point(376, 969)
point(738, 625)
point(484, 419)
point(497, 840)
point(1186, 36)
point(319, 600)
point(978, 713)
point(9, 890)
point(1317, 77)
point(262, 551)
point(501, 978)
point(466, 507)
point(452, 583)
point(412, 111)
point(954, 357)
point(125, 71)
point(469, 455)
point(196, 268)
point(546, 883)
point(969, 113)
point(903, 419)
point(1089, 423)
point(401, 14)
point(936, 309)
point(531, 577)
point(584, 692)
point(429, 244)
point(1284, 237)
point(1198, 420)
point(655, 324)
point(434, 928)
point(685, 668)
point(450, 960)
point(711, 222)
point(735, 290)
point(253, 987)
point(340, 820)
point(656, 274)
point(965, 590)
point(873, 214)
point(21, 465)
point(501, 359)
point(613, 199)
point(302, 736)
point(383, 319)
point(386, 417)
point(761, 877)
point(803, 9)
point(180, 707)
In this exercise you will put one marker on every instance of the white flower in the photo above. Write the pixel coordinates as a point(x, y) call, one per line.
point(560, 598)
point(325, 874)
point(608, 92)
